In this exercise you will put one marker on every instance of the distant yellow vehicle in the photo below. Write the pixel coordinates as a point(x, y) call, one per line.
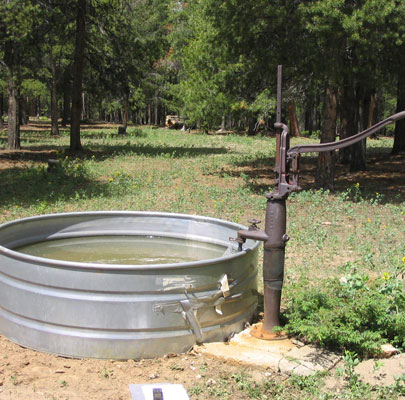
point(174, 122)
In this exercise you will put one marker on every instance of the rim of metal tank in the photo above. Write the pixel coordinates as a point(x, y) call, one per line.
point(116, 267)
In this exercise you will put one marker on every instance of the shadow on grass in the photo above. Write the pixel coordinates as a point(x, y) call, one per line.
point(25, 187)
point(28, 137)
point(105, 151)
point(107, 134)
point(384, 177)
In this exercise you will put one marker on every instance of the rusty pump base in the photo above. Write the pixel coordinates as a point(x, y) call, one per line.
point(274, 235)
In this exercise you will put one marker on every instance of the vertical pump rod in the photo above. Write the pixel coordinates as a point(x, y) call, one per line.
point(277, 166)
point(279, 92)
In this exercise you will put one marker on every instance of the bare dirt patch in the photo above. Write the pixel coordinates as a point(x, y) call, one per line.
point(29, 374)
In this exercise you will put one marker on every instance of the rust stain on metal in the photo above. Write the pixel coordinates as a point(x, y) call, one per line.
point(259, 332)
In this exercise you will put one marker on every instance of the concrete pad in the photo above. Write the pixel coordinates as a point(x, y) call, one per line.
point(307, 360)
point(279, 355)
point(249, 350)
point(382, 372)
point(291, 357)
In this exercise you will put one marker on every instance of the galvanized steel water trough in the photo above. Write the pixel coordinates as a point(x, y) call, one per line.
point(123, 311)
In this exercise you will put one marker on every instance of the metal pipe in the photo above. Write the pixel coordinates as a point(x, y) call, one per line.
point(273, 261)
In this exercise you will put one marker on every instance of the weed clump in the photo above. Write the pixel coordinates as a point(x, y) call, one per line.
point(353, 313)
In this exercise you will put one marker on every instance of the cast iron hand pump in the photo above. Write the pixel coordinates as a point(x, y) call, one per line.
point(274, 235)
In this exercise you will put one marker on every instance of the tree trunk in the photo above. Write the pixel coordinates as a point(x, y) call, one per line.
point(309, 120)
point(358, 156)
point(13, 115)
point(11, 61)
point(83, 115)
point(75, 143)
point(156, 108)
point(38, 106)
point(125, 114)
point(399, 133)
point(372, 110)
point(1, 110)
point(325, 174)
point(358, 150)
point(22, 107)
point(251, 123)
point(31, 107)
point(348, 120)
point(54, 98)
point(295, 130)
point(318, 114)
point(87, 109)
point(223, 123)
point(66, 107)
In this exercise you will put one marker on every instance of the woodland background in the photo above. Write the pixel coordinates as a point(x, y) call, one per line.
point(211, 62)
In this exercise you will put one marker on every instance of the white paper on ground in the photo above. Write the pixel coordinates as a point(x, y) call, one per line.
point(170, 391)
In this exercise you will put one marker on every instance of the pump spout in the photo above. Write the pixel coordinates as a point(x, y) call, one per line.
point(253, 232)
point(244, 234)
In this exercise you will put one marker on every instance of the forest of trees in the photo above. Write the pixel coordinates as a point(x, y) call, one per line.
point(212, 62)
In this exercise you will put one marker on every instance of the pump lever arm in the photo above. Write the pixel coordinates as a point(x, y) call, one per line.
point(293, 154)
point(317, 148)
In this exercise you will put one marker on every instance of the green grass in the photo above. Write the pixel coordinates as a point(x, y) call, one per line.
point(243, 386)
point(219, 176)
point(359, 229)
point(158, 170)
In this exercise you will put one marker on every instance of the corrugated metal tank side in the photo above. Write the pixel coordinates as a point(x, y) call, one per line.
point(122, 311)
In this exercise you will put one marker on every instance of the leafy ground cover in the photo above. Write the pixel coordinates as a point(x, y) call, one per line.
point(344, 284)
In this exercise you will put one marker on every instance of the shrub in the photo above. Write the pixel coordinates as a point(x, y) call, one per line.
point(351, 314)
